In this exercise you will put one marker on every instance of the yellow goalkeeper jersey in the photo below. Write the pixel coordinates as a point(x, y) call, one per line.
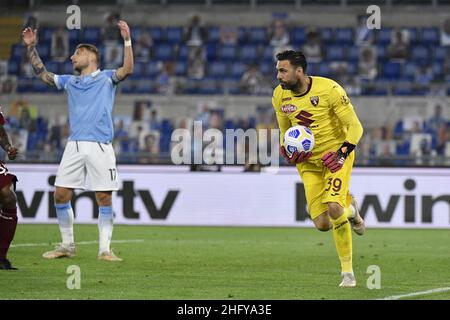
point(324, 108)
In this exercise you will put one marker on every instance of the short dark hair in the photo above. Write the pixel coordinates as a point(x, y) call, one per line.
point(92, 49)
point(296, 58)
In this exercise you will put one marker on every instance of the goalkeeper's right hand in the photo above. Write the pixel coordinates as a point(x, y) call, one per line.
point(296, 157)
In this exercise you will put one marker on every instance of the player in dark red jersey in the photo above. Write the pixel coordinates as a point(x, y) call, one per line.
point(8, 203)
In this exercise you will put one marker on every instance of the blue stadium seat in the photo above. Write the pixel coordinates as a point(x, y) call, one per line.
point(18, 51)
point(44, 50)
point(164, 52)
point(344, 36)
point(268, 54)
point(257, 35)
point(430, 36)
point(174, 34)
point(228, 52)
point(384, 36)
point(180, 68)
point(268, 68)
point(237, 70)
point(183, 53)
point(152, 69)
point(242, 35)
point(352, 68)
point(403, 89)
point(353, 54)
point(391, 70)
point(213, 34)
point(145, 86)
point(298, 36)
point(13, 66)
point(335, 53)
point(66, 67)
point(74, 36)
point(409, 70)
point(441, 53)
point(420, 54)
point(323, 69)
point(217, 69)
point(139, 70)
point(413, 35)
point(229, 124)
point(53, 66)
point(45, 34)
point(248, 53)
point(327, 35)
point(438, 71)
point(157, 34)
point(211, 51)
point(91, 35)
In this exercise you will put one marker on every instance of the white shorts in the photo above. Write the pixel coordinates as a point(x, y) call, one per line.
point(86, 159)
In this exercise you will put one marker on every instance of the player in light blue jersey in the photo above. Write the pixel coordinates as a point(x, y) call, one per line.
point(89, 152)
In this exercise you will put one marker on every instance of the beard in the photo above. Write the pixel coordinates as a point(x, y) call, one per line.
point(293, 86)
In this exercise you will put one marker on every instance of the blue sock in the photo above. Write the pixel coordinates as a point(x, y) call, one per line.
point(105, 228)
point(64, 213)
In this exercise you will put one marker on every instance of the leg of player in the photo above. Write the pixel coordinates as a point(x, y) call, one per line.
point(322, 222)
point(65, 216)
point(8, 223)
point(342, 235)
point(105, 225)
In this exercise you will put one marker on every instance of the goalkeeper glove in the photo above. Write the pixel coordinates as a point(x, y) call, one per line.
point(296, 156)
point(335, 160)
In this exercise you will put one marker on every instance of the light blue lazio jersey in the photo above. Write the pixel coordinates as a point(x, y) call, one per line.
point(91, 101)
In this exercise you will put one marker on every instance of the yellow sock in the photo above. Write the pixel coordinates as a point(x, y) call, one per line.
point(342, 234)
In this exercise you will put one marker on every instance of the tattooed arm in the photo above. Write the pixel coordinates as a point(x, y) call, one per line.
point(29, 38)
point(6, 144)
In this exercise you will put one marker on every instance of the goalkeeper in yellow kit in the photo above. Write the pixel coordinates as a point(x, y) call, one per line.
point(322, 105)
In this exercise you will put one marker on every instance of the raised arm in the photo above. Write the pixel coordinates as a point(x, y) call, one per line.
point(128, 61)
point(29, 38)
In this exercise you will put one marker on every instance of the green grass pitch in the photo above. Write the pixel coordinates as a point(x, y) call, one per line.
point(227, 263)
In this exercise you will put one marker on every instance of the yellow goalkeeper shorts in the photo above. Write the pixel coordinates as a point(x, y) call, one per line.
point(322, 186)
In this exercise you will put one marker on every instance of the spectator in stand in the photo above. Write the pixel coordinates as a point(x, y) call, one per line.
point(423, 76)
point(196, 63)
point(113, 55)
point(279, 34)
point(251, 80)
point(445, 33)
point(143, 47)
point(367, 65)
point(228, 35)
point(363, 35)
point(165, 79)
point(313, 49)
point(60, 45)
point(154, 123)
point(195, 34)
point(437, 126)
point(398, 49)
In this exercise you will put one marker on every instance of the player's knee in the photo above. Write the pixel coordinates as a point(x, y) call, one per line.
point(8, 197)
point(62, 196)
point(104, 198)
point(323, 227)
point(334, 210)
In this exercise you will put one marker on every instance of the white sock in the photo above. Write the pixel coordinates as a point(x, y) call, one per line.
point(105, 228)
point(64, 212)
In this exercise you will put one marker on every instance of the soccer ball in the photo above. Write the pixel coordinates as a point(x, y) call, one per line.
point(298, 138)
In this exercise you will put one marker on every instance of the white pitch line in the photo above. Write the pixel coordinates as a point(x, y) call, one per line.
point(413, 294)
point(44, 244)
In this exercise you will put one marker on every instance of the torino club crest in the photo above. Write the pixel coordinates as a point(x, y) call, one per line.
point(314, 100)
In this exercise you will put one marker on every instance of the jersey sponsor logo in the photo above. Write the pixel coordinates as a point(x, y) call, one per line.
point(286, 99)
point(314, 100)
point(288, 108)
point(303, 118)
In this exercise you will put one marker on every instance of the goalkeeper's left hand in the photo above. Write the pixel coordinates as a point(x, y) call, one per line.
point(335, 160)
